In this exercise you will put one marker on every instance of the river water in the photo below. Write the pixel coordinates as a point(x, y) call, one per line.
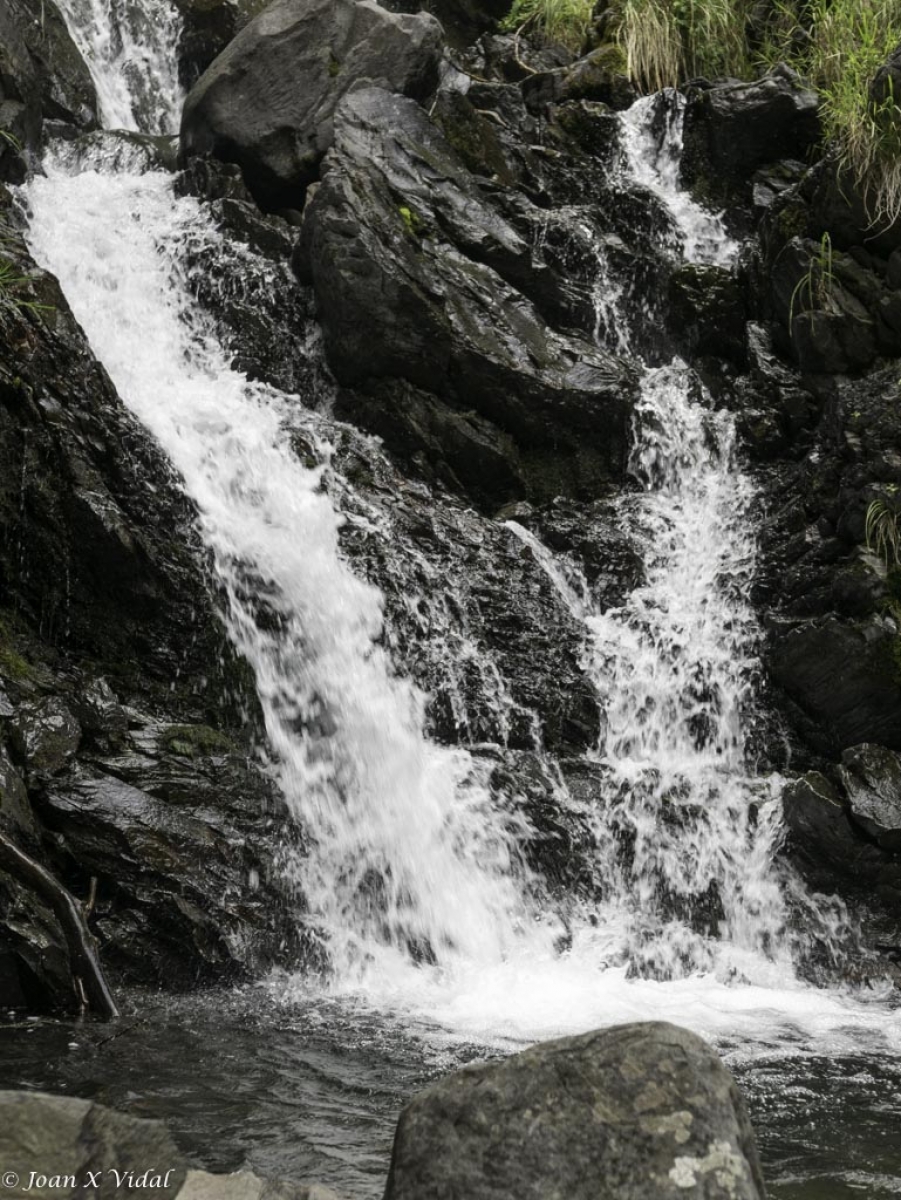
point(455, 951)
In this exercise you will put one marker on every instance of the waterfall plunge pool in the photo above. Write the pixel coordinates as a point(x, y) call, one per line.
point(313, 1090)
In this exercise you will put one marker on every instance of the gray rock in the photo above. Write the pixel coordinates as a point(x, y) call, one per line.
point(418, 277)
point(639, 1112)
point(872, 778)
point(66, 1141)
point(268, 101)
point(818, 824)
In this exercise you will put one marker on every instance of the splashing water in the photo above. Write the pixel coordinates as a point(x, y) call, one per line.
point(413, 871)
point(652, 159)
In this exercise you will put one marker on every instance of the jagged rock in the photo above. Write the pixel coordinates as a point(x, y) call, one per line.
point(42, 77)
point(638, 1112)
point(732, 129)
point(432, 288)
point(58, 1136)
point(600, 75)
point(268, 101)
point(872, 779)
point(830, 329)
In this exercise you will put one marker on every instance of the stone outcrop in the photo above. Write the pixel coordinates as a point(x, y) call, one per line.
point(638, 1112)
point(267, 102)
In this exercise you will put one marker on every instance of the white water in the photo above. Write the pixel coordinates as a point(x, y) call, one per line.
point(409, 853)
point(652, 159)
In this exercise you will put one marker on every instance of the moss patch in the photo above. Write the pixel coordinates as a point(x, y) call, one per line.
point(194, 741)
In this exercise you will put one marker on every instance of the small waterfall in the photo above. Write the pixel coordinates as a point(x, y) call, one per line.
point(130, 47)
point(651, 133)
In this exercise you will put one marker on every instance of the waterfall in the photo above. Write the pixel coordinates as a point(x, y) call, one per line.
point(413, 867)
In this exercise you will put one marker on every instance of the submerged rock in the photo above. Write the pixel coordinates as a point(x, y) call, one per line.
point(268, 101)
point(638, 1112)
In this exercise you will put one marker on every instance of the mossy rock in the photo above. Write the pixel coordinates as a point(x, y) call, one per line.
point(195, 741)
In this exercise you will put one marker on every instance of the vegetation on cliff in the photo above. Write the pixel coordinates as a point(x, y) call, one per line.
point(840, 46)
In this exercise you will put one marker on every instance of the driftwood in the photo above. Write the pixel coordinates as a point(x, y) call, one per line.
point(88, 979)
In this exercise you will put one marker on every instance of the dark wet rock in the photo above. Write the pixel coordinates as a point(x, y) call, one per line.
point(68, 1136)
point(639, 1111)
point(872, 779)
point(462, 20)
point(419, 278)
point(42, 77)
point(109, 628)
point(845, 676)
point(819, 829)
point(732, 129)
point(601, 75)
point(181, 833)
point(489, 638)
point(16, 817)
point(708, 312)
point(267, 103)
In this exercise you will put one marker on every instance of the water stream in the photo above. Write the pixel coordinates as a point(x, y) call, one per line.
point(439, 936)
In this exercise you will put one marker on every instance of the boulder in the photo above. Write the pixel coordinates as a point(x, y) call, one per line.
point(45, 1139)
point(732, 129)
point(419, 277)
point(638, 1112)
point(872, 778)
point(267, 102)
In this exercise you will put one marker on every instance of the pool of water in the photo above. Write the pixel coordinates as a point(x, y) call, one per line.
point(313, 1091)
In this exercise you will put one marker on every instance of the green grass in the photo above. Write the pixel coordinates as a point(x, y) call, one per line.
point(883, 527)
point(564, 21)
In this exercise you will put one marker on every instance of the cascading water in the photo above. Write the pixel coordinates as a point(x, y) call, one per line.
point(413, 869)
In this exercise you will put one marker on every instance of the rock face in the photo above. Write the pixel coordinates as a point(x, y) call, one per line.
point(639, 1112)
point(268, 101)
point(42, 77)
point(109, 770)
point(61, 1136)
point(420, 281)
